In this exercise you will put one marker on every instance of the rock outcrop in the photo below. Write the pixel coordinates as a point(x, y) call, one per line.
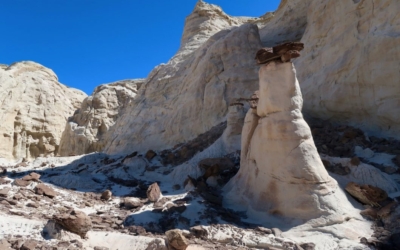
point(350, 71)
point(281, 172)
point(191, 93)
point(34, 107)
point(85, 131)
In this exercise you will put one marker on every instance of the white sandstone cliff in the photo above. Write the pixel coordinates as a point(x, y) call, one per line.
point(34, 107)
point(85, 130)
point(191, 93)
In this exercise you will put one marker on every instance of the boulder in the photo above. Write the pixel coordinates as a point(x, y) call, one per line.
point(132, 202)
point(153, 192)
point(176, 240)
point(43, 189)
point(106, 195)
point(74, 221)
point(281, 172)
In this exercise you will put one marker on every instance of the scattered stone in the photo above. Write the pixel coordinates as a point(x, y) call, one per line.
point(150, 155)
point(137, 230)
point(199, 231)
point(106, 195)
point(75, 221)
point(386, 210)
point(132, 202)
point(29, 245)
point(31, 177)
point(101, 248)
point(21, 183)
point(176, 239)
point(4, 192)
point(32, 204)
point(43, 189)
point(153, 192)
point(355, 161)
point(367, 194)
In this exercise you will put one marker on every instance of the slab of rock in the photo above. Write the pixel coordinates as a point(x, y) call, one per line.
point(132, 202)
point(283, 52)
point(176, 239)
point(366, 194)
point(43, 189)
point(281, 172)
point(31, 177)
point(153, 192)
point(21, 183)
point(74, 221)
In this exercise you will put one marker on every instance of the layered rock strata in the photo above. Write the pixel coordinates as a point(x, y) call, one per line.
point(281, 172)
point(85, 131)
point(34, 107)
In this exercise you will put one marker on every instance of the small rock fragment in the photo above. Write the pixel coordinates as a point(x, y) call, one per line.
point(355, 161)
point(29, 245)
point(21, 183)
point(4, 192)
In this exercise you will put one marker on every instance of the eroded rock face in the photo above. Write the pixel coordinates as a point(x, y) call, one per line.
point(84, 132)
point(354, 81)
point(281, 172)
point(34, 107)
point(213, 67)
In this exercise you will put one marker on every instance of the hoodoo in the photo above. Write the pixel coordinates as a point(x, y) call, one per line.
point(281, 172)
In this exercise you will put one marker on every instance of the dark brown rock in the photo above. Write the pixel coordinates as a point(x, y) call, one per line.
point(355, 161)
point(74, 221)
point(137, 230)
point(43, 189)
point(150, 155)
point(199, 231)
point(21, 183)
point(367, 194)
point(370, 213)
point(153, 192)
point(283, 52)
point(106, 195)
point(31, 177)
point(176, 239)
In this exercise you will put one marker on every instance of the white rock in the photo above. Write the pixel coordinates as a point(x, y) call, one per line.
point(84, 132)
point(34, 107)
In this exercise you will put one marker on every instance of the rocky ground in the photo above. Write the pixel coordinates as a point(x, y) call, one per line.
point(98, 201)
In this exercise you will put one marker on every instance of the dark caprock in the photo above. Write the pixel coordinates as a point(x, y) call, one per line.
point(283, 52)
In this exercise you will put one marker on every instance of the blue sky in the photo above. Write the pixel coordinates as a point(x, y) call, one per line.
point(91, 42)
